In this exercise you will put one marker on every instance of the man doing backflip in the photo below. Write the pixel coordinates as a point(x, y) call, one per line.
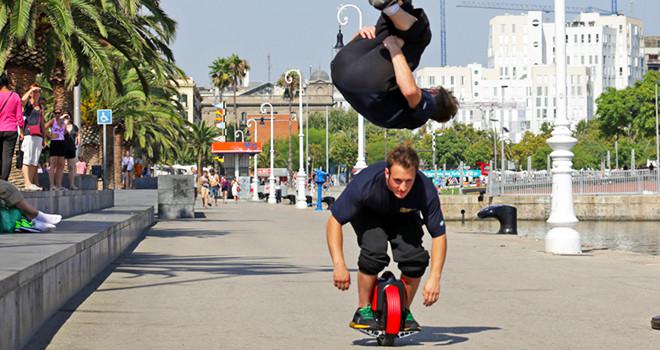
point(374, 71)
point(389, 202)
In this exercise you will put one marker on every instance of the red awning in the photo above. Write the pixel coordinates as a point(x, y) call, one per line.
point(236, 148)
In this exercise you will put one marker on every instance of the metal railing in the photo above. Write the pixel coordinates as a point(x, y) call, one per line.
point(585, 182)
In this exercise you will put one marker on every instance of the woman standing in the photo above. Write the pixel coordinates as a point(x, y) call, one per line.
point(57, 127)
point(33, 139)
point(235, 189)
point(11, 125)
point(127, 164)
point(206, 189)
point(71, 141)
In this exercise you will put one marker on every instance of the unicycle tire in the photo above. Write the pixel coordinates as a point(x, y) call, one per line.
point(386, 339)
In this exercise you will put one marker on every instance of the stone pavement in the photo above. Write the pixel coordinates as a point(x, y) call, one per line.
point(258, 276)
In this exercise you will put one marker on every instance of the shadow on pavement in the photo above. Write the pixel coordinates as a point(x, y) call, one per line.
point(435, 335)
point(165, 233)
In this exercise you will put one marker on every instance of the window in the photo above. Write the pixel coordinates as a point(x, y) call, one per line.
point(451, 80)
point(582, 38)
point(514, 72)
point(582, 59)
point(575, 38)
point(568, 59)
point(502, 28)
point(476, 83)
point(513, 28)
point(620, 71)
point(597, 37)
point(595, 59)
point(476, 94)
point(462, 80)
point(579, 90)
point(431, 80)
point(535, 44)
point(589, 38)
point(495, 91)
point(590, 59)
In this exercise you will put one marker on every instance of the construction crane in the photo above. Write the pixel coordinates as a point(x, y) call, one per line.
point(534, 7)
point(443, 35)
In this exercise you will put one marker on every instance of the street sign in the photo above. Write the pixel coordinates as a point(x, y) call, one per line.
point(220, 125)
point(104, 116)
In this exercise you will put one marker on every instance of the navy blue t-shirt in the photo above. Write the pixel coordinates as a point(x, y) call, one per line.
point(368, 192)
point(390, 109)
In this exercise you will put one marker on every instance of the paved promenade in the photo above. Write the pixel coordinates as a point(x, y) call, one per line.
point(258, 276)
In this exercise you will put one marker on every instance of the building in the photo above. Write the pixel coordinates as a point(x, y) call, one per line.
point(651, 51)
point(516, 92)
point(317, 95)
point(190, 98)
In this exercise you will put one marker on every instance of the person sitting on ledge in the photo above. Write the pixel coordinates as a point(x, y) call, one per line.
point(40, 221)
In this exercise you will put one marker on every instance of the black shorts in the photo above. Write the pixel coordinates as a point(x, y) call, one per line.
point(404, 234)
point(58, 148)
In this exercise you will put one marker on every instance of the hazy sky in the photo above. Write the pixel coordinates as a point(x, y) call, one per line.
point(300, 33)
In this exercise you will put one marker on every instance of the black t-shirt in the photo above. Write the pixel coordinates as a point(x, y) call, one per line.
point(390, 109)
point(32, 117)
point(70, 136)
point(368, 192)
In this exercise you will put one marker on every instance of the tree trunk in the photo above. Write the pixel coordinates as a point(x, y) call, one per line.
point(116, 158)
point(235, 111)
point(21, 77)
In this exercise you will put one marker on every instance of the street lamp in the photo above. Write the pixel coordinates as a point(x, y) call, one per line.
point(255, 180)
point(657, 139)
point(271, 178)
point(493, 120)
point(361, 160)
point(301, 200)
point(236, 164)
point(504, 129)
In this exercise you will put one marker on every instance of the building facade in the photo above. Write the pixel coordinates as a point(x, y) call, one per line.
point(516, 92)
point(317, 95)
point(190, 99)
point(651, 51)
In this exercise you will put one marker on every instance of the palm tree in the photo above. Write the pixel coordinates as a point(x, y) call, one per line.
point(290, 92)
point(238, 69)
point(220, 74)
point(199, 139)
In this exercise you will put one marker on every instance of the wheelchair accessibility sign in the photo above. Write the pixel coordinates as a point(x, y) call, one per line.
point(104, 116)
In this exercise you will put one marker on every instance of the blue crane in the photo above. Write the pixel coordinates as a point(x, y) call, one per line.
point(534, 7)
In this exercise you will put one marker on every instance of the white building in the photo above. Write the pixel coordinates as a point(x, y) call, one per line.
point(517, 90)
point(190, 98)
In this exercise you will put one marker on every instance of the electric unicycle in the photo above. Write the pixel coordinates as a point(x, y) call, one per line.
point(388, 304)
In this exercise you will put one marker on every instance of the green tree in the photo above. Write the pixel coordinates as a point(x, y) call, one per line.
point(199, 138)
point(238, 69)
point(220, 74)
point(291, 88)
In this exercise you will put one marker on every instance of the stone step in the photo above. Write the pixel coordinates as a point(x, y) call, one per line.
point(39, 272)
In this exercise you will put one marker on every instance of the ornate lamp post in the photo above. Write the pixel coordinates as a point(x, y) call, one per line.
point(562, 238)
point(301, 179)
point(255, 178)
point(361, 160)
point(271, 178)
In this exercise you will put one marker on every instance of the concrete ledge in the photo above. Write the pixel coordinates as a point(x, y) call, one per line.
point(40, 272)
point(69, 203)
point(587, 208)
point(83, 182)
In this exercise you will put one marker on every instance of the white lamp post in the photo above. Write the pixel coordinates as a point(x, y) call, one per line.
point(255, 180)
point(361, 160)
point(271, 178)
point(301, 179)
point(236, 163)
point(562, 238)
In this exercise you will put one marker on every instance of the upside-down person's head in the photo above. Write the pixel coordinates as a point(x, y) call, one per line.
point(446, 105)
point(402, 166)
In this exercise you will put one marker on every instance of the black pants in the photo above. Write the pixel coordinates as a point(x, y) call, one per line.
point(403, 232)
point(365, 65)
point(7, 145)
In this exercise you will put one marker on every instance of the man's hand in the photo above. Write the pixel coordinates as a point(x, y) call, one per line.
point(367, 32)
point(341, 277)
point(393, 42)
point(431, 291)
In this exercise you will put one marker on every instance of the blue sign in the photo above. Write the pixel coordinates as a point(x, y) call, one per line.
point(104, 116)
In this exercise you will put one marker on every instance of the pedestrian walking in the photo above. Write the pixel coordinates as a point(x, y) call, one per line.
point(235, 189)
point(214, 183)
point(127, 164)
point(81, 166)
point(206, 188)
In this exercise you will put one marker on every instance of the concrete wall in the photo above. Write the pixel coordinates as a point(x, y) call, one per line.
point(35, 292)
point(70, 203)
point(587, 208)
point(83, 182)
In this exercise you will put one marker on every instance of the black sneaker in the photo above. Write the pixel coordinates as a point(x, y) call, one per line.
point(364, 319)
point(409, 323)
point(382, 4)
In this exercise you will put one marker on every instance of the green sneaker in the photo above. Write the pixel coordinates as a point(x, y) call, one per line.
point(409, 323)
point(25, 225)
point(364, 319)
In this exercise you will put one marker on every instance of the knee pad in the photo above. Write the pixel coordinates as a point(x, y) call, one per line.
point(372, 263)
point(416, 265)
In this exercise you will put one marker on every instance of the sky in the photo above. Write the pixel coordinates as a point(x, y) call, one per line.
point(301, 33)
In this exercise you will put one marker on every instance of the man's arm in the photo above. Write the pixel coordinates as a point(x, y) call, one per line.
point(404, 76)
point(340, 275)
point(438, 255)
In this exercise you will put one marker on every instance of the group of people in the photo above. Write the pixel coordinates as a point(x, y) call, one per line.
point(23, 120)
point(211, 186)
point(388, 202)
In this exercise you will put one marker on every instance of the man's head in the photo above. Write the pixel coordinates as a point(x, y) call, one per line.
point(402, 166)
point(446, 105)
